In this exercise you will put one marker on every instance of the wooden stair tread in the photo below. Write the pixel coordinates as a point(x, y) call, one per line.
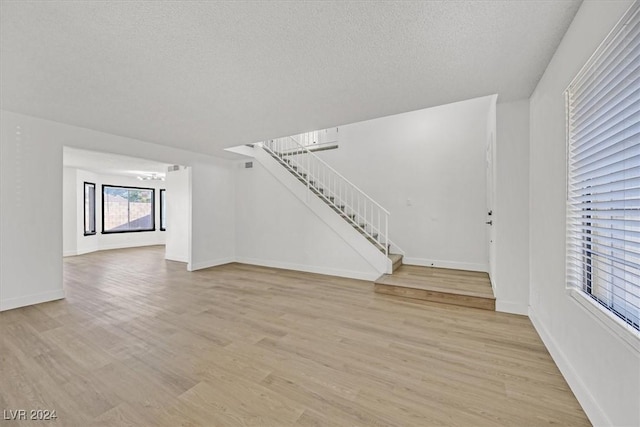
point(395, 257)
point(456, 287)
point(430, 287)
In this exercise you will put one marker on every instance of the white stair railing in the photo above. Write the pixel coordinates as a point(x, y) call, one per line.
point(353, 204)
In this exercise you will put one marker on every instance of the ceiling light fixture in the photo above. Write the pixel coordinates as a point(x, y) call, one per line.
point(151, 177)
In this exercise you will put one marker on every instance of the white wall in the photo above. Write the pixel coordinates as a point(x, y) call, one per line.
point(30, 216)
point(511, 213)
point(31, 200)
point(74, 196)
point(212, 215)
point(70, 212)
point(276, 228)
point(427, 168)
point(601, 368)
point(178, 214)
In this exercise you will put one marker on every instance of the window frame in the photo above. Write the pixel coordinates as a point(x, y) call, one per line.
point(583, 288)
point(84, 208)
point(153, 209)
point(162, 194)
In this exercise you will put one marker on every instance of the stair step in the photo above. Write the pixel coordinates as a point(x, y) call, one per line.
point(457, 287)
point(396, 261)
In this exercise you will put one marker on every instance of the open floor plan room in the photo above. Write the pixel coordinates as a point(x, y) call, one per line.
point(320, 213)
point(140, 341)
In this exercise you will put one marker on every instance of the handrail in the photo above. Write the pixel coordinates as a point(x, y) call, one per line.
point(397, 248)
point(307, 151)
point(345, 198)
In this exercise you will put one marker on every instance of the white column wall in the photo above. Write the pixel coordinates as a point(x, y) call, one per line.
point(178, 195)
point(511, 214)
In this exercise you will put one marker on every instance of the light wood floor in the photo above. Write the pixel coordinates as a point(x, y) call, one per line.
point(140, 341)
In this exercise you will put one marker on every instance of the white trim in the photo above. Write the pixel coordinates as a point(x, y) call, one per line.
point(12, 303)
point(177, 258)
point(512, 307)
point(69, 253)
point(615, 325)
point(493, 286)
point(310, 269)
point(193, 266)
point(112, 247)
point(86, 251)
point(127, 245)
point(454, 265)
point(590, 405)
point(607, 41)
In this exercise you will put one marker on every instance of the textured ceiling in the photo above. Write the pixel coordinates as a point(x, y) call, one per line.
point(209, 75)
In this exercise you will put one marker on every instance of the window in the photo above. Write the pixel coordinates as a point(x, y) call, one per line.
point(603, 204)
point(89, 209)
point(163, 210)
point(127, 209)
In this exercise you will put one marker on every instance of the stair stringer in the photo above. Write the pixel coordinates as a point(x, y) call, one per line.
point(379, 261)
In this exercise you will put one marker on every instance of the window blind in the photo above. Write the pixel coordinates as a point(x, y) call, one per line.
point(603, 195)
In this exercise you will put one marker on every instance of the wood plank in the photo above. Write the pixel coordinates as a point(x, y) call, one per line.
point(457, 287)
point(437, 295)
point(141, 341)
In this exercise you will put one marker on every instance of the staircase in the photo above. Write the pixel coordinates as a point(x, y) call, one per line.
point(341, 203)
point(350, 203)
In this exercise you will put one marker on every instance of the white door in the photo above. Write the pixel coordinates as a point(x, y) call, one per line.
point(491, 214)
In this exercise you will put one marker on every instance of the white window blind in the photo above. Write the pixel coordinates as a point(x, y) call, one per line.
point(603, 205)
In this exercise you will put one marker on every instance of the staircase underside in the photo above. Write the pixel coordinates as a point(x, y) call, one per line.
point(373, 237)
point(457, 287)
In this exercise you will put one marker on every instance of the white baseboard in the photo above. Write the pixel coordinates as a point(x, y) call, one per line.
point(512, 307)
point(12, 303)
point(178, 258)
point(111, 247)
point(310, 268)
point(127, 245)
point(455, 265)
point(86, 251)
point(69, 253)
point(493, 288)
point(590, 406)
point(193, 266)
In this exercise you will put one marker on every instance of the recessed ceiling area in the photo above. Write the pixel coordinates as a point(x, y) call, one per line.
point(112, 164)
point(204, 76)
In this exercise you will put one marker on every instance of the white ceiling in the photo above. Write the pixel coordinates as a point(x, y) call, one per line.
point(207, 75)
point(111, 164)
